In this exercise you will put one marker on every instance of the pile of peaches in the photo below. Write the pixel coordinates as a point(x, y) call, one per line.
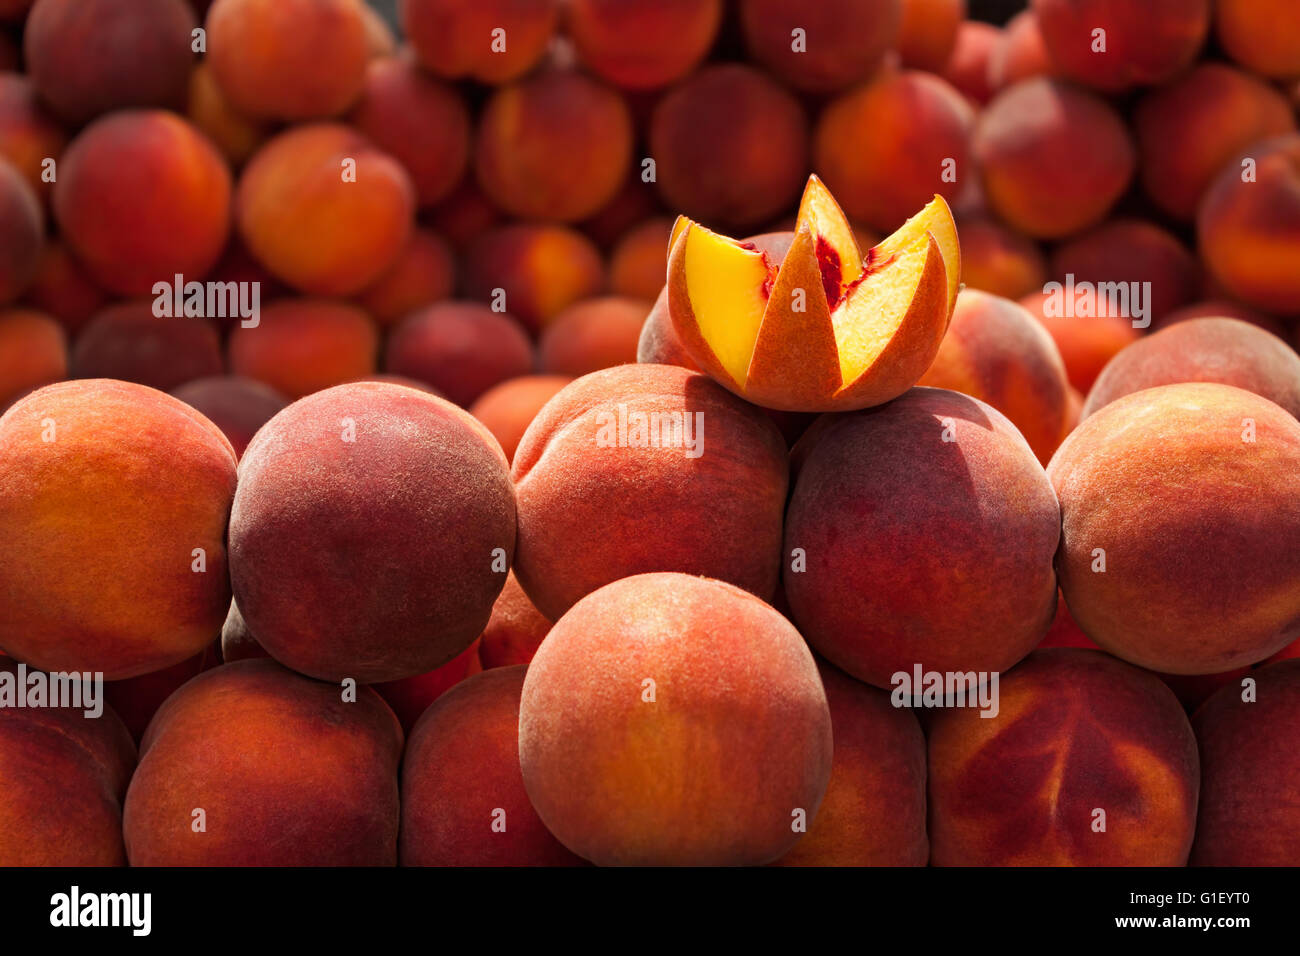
point(578, 431)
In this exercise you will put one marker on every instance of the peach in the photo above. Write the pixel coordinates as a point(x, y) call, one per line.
point(882, 179)
point(873, 813)
point(928, 34)
point(509, 408)
point(29, 135)
point(643, 44)
point(1132, 251)
point(659, 343)
point(633, 685)
point(826, 329)
point(1221, 309)
point(289, 59)
point(1250, 759)
point(1203, 350)
point(996, 352)
point(729, 145)
point(1087, 762)
point(1178, 507)
point(301, 346)
point(968, 67)
point(843, 41)
point(101, 474)
point(424, 273)
point(22, 233)
point(142, 197)
point(1053, 158)
point(595, 334)
point(137, 699)
point(639, 262)
point(411, 696)
point(554, 146)
point(236, 135)
point(33, 352)
point(61, 288)
point(1086, 342)
point(981, 600)
point(129, 342)
point(463, 798)
point(235, 766)
point(237, 642)
point(1139, 44)
point(90, 57)
point(999, 261)
point(635, 202)
point(492, 41)
point(238, 406)
point(1261, 35)
point(66, 776)
point(333, 488)
point(1021, 54)
point(653, 497)
point(460, 348)
point(533, 271)
point(1191, 128)
point(418, 120)
point(324, 210)
point(515, 630)
point(1249, 228)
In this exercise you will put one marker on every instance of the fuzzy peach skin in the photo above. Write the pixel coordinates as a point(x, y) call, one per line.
point(969, 549)
point(289, 60)
point(257, 747)
point(1086, 343)
point(33, 352)
point(996, 352)
point(62, 288)
point(873, 813)
point(238, 406)
point(998, 260)
point(98, 474)
point(460, 348)
point(454, 39)
point(729, 145)
point(845, 40)
point(90, 57)
point(365, 531)
point(1249, 232)
point(642, 44)
point(592, 335)
point(1250, 760)
point(142, 197)
point(639, 262)
point(539, 269)
point(463, 799)
point(65, 777)
point(598, 501)
point(29, 134)
point(22, 233)
point(805, 322)
point(674, 720)
point(128, 342)
point(1077, 734)
point(1145, 44)
point(1262, 35)
point(301, 346)
point(509, 408)
point(424, 273)
point(305, 218)
point(1190, 128)
point(881, 180)
point(1204, 350)
point(515, 630)
point(419, 120)
point(1053, 158)
point(968, 67)
point(1192, 492)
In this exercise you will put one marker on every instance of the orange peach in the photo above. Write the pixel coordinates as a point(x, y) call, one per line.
point(130, 343)
point(102, 474)
point(515, 630)
point(238, 406)
point(928, 34)
point(63, 289)
point(509, 408)
point(301, 346)
point(236, 135)
point(1086, 342)
point(1087, 762)
point(998, 260)
point(234, 767)
point(492, 41)
point(840, 41)
point(533, 271)
point(288, 59)
point(594, 334)
point(1261, 35)
point(643, 44)
point(29, 135)
point(142, 197)
point(968, 67)
point(22, 233)
point(1178, 513)
point(1053, 158)
point(33, 352)
point(639, 262)
point(424, 273)
point(637, 681)
point(729, 146)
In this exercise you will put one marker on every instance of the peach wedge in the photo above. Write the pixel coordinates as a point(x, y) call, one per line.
point(825, 329)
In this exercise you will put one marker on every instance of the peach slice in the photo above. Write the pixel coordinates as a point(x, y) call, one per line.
point(826, 329)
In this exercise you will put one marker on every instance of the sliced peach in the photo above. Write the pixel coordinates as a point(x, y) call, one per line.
point(825, 329)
